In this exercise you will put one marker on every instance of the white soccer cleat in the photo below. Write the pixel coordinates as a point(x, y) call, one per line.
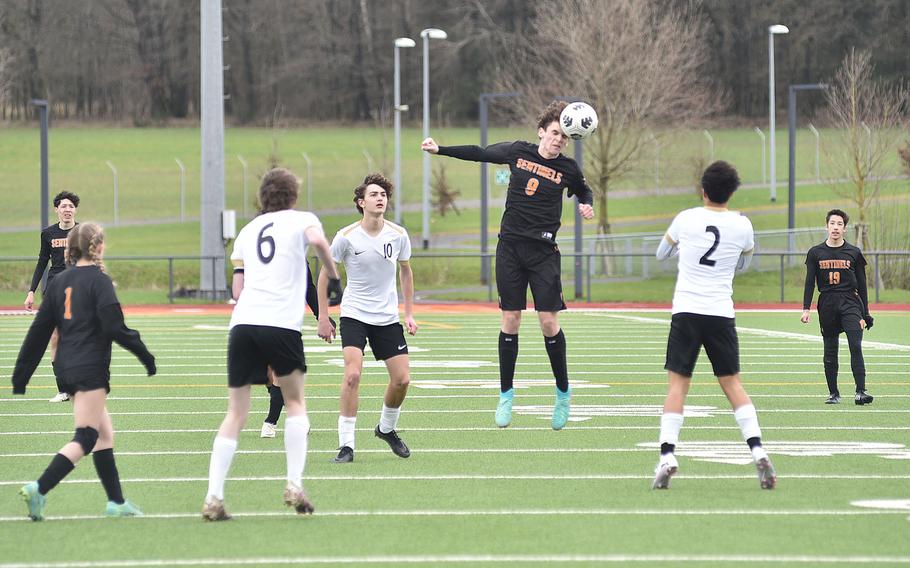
point(59, 397)
point(297, 498)
point(268, 430)
point(666, 468)
point(213, 510)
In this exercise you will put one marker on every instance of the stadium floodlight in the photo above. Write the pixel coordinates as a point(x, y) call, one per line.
point(776, 29)
point(427, 35)
point(400, 42)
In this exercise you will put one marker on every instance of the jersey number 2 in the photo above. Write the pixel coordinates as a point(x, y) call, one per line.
point(265, 258)
point(704, 258)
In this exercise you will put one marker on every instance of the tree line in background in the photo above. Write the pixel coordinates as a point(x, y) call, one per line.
point(331, 60)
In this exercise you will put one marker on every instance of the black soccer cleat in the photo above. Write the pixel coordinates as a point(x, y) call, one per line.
point(833, 399)
point(862, 397)
point(345, 455)
point(398, 446)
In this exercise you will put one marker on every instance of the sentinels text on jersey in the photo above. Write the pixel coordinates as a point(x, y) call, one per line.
point(836, 267)
point(534, 199)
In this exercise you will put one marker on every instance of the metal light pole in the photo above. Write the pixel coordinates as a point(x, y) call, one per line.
point(399, 43)
point(309, 181)
point(182, 189)
point(427, 35)
point(116, 193)
point(791, 116)
point(772, 31)
point(764, 167)
point(243, 165)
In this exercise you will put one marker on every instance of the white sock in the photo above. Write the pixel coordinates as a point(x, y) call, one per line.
point(222, 455)
point(759, 453)
point(388, 420)
point(296, 432)
point(670, 425)
point(346, 425)
point(747, 419)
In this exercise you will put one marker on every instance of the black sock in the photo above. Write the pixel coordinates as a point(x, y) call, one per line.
point(857, 364)
point(666, 448)
point(276, 402)
point(754, 442)
point(108, 474)
point(56, 376)
point(508, 354)
point(831, 364)
point(59, 468)
point(556, 351)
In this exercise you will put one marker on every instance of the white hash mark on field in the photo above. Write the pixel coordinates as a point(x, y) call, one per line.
point(583, 412)
point(737, 453)
point(491, 384)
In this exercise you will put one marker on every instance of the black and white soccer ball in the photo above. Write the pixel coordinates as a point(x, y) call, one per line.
point(578, 120)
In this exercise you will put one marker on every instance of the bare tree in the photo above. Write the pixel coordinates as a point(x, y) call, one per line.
point(639, 64)
point(869, 117)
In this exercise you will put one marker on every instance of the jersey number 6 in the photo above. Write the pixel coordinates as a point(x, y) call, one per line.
point(265, 258)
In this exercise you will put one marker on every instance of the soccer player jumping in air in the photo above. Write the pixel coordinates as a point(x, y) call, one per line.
point(712, 243)
point(839, 270)
point(527, 253)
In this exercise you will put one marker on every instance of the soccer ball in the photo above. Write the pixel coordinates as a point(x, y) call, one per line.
point(578, 120)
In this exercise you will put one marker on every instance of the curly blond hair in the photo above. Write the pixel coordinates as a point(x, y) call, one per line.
point(83, 242)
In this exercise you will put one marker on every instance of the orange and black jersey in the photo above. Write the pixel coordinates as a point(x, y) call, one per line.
point(82, 305)
point(534, 199)
point(835, 269)
point(53, 250)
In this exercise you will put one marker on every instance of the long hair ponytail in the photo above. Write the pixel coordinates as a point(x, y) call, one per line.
point(83, 242)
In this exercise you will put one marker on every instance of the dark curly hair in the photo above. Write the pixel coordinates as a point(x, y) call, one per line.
point(372, 179)
point(719, 181)
point(551, 113)
point(839, 213)
point(278, 190)
point(66, 195)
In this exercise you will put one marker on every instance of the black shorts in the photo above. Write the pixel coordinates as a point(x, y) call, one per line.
point(520, 263)
point(85, 378)
point(688, 332)
point(386, 341)
point(252, 349)
point(838, 312)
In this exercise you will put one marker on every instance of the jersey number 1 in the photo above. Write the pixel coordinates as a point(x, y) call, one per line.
point(68, 303)
point(704, 258)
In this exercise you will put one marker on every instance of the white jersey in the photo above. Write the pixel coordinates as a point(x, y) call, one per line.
point(710, 243)
point(371, 263)
point(272, 251)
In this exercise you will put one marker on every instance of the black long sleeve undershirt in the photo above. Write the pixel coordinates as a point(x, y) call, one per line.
point(114, 326)
point(809, 289)
point(494, 154)
point(861, 288)
point(44, 257)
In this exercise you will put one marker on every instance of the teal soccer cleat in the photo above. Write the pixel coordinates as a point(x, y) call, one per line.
point(125, 509)
point(561, 409)
point(504, 408)
point(34, 500)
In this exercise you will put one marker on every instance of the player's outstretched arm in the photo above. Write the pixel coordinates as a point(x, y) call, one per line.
point(407, 290)
point(114, 326)
point(430, 146)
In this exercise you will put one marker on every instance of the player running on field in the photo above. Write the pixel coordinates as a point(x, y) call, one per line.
point(839, 270)
point(270, 288)
point(527, 253)
point(81, 305)
point(712, 243)
point(372, 250)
